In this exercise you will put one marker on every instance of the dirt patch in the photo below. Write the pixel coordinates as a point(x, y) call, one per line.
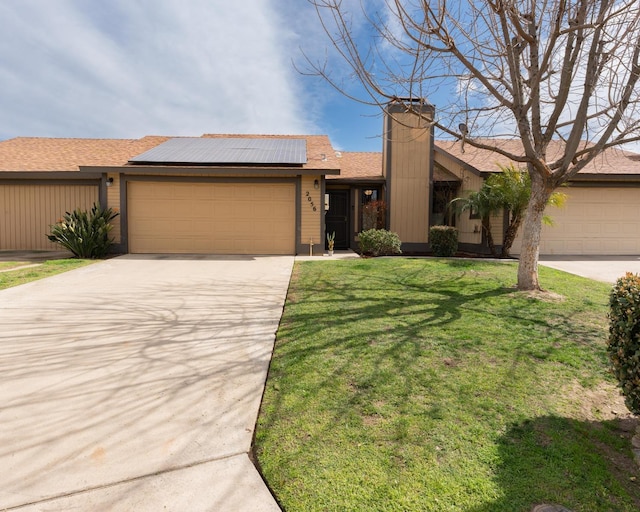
point(542, 295)
point(19, 266)
point(34, 256)
point(602, 403)
point(371, 420)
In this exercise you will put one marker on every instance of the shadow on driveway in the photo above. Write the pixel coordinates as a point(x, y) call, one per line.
point(132, 367)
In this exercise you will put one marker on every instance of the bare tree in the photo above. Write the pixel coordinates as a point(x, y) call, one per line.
point(535, 70)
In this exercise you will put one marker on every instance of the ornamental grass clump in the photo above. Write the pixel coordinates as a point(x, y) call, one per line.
point(624, 337)
point(379, 242)
point(85, 234)
point(443, 240)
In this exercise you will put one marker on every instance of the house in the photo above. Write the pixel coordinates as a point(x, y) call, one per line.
point(601, 215)
point(210, 194)
point(277, 194)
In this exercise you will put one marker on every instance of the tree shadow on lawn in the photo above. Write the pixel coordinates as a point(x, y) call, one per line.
point(584, 466)
point(417, 313)
point(427, 303)
point(538, 462)
point(412, 307)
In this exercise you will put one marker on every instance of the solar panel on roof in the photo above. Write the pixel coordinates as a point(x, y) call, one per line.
point(226, 151)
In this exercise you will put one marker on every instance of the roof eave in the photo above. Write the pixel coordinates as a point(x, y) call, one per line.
point(359, 179)
point(584, 177)
point(204, 169)
point(53, 175)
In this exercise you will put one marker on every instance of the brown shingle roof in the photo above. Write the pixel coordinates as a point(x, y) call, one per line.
point(359, 166)
point(44, 154)
point(612, 161)
point(49, 154)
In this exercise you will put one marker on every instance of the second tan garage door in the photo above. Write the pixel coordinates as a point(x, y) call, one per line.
point(597, 220)
point(211, 218)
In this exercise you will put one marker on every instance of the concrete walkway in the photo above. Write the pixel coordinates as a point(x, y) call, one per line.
point(600, 268)
point(135, 384)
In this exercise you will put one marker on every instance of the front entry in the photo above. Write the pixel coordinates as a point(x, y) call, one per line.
point(337, 217)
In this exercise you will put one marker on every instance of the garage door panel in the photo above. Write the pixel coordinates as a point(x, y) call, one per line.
point(155, 193)
point(201, 194)
point(202, 208)
point(594, 221)
point(216, 218)
point(184, 192)
point(631, 211)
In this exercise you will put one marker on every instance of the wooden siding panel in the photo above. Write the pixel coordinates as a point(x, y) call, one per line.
point(410, 211)
point(29, 210)
point(113, 202)
point(311, 212)
point(409, 188)
point(497, 227)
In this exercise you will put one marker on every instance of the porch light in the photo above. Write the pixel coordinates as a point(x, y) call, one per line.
point(368, 192)
point(316, 184)
point(109, 182)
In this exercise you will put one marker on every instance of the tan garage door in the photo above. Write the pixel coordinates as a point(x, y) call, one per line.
point(594, 221)
point(211, 218)
point(27, 211)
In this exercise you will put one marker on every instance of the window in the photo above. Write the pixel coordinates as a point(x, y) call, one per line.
point(441, 213)
point(373, 210)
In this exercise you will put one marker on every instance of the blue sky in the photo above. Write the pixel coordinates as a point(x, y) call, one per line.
point(129, 68)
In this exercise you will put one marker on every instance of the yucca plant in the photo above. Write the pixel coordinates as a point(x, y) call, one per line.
point(85, 234)
point(331, 239)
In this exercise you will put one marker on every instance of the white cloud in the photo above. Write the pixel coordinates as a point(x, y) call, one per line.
point(127, 68)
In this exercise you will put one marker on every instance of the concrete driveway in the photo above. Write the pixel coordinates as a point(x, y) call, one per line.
point(135, 383)
point(600, 268)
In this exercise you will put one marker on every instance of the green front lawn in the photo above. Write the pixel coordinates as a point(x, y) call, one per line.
point(431, 385)
point(48, 268)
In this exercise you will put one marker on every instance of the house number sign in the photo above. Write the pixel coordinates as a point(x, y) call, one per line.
point(310, 201)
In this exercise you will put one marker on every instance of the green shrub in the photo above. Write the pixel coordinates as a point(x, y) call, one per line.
point(624, 337)
point(443, 240)
point(379, 242)
point(85, 234)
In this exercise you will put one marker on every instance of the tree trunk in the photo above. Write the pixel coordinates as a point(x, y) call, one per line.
point(532, 227)
point(510, 236)
point(486, 225)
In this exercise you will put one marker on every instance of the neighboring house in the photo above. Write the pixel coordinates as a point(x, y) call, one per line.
point(262, 194)
point(601, 215)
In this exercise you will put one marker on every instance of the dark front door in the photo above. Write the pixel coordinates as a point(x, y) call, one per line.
point(337, 217)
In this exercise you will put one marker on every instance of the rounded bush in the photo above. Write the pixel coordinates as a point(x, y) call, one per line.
point(379, 242)
point(443, 240)
point(624, 337)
